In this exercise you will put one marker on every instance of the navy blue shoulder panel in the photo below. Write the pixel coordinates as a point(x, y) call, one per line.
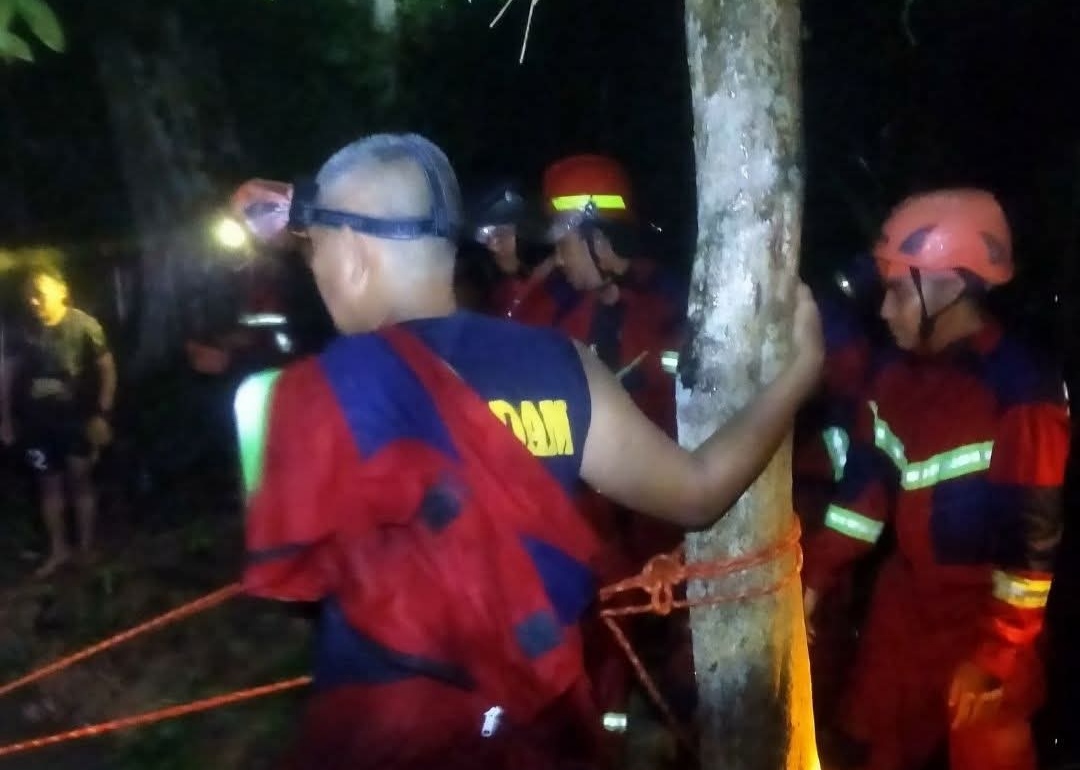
point(506, 361)
point(501, 361)
point(381, 398)
point(1018, 376)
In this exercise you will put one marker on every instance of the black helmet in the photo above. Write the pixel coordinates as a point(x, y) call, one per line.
point(498, 204)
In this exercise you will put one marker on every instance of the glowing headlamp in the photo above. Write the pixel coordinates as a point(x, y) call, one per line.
point(565, 222)
point(487, 232)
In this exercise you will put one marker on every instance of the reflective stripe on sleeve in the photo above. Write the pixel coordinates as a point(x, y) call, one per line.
point(1025, 593)
point(852, 524)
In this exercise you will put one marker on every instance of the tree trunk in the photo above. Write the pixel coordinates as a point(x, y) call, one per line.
point(385, 19)
point(750, 657)
point(174, 135)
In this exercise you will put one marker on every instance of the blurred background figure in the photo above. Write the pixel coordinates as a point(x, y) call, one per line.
point(56, 401)
point(502, 256)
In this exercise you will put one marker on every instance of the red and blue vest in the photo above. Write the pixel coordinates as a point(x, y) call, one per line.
point(416, 483)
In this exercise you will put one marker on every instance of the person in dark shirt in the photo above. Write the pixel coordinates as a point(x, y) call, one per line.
point(57, 397)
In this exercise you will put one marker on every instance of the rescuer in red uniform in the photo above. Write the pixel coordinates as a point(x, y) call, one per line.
point(626, 310)
point(621, 305)
point(819, 453)
point(623, 308)
point(961, 447)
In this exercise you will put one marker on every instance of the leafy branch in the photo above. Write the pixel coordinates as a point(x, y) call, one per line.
point(33, 19)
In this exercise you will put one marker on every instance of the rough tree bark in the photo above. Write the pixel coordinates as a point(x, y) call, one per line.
point(750, 657)
point(173, 131)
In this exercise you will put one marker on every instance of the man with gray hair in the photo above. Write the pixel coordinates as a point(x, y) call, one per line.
point(416, 481)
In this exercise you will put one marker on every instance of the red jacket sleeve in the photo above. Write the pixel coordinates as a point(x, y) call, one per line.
point(291, 512)
point(1028, 470)
point(860, 508)
point(657, 333)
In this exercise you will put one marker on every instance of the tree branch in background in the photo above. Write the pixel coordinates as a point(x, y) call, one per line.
point(905, 19)
point(528, 24)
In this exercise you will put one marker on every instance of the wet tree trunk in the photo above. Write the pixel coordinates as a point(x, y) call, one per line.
point(750, 657)
point(385, 19)
point(174, 135)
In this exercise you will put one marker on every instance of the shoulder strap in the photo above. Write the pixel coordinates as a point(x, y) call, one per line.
point(479, 433)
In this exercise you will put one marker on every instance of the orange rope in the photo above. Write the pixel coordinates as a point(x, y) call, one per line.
point(659, 578)
point(663, 574)
point(151, 717)
point(205, 603)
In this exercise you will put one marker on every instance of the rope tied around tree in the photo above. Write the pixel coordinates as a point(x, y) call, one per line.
point(665, 572)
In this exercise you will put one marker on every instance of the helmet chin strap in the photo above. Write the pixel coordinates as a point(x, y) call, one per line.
point(588, 234)
point(928, 321)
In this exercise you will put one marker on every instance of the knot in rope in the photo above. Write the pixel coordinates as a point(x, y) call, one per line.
point(659, 578)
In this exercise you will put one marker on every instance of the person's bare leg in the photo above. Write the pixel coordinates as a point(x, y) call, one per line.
point(51, 486)
point(84, 497)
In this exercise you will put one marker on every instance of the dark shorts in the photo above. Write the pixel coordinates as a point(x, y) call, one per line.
point(48, 446)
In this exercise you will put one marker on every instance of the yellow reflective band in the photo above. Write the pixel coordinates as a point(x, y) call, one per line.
point(952, 464)
point(837, 444)
point(949, 465)
point(578, 202)
point(887, 441)
point(852, 524)
point(1025, 593)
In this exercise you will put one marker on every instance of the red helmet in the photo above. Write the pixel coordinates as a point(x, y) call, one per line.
point(945, 231)
point(587, 185)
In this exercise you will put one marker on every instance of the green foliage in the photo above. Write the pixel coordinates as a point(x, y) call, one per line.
point(33, 19)
point(14, 47)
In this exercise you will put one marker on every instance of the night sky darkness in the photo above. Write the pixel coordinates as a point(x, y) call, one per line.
point(985, 96)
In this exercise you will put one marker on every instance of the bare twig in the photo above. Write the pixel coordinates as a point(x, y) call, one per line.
point(528, 24)
point(499, 15)
point(905, 18)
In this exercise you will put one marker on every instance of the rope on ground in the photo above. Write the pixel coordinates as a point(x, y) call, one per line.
point(150, 717)
point(191, 608)
point(664, 573)
point(659, 579)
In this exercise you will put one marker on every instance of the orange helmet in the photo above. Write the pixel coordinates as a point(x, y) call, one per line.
point(945, 231)
point(582, 186)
